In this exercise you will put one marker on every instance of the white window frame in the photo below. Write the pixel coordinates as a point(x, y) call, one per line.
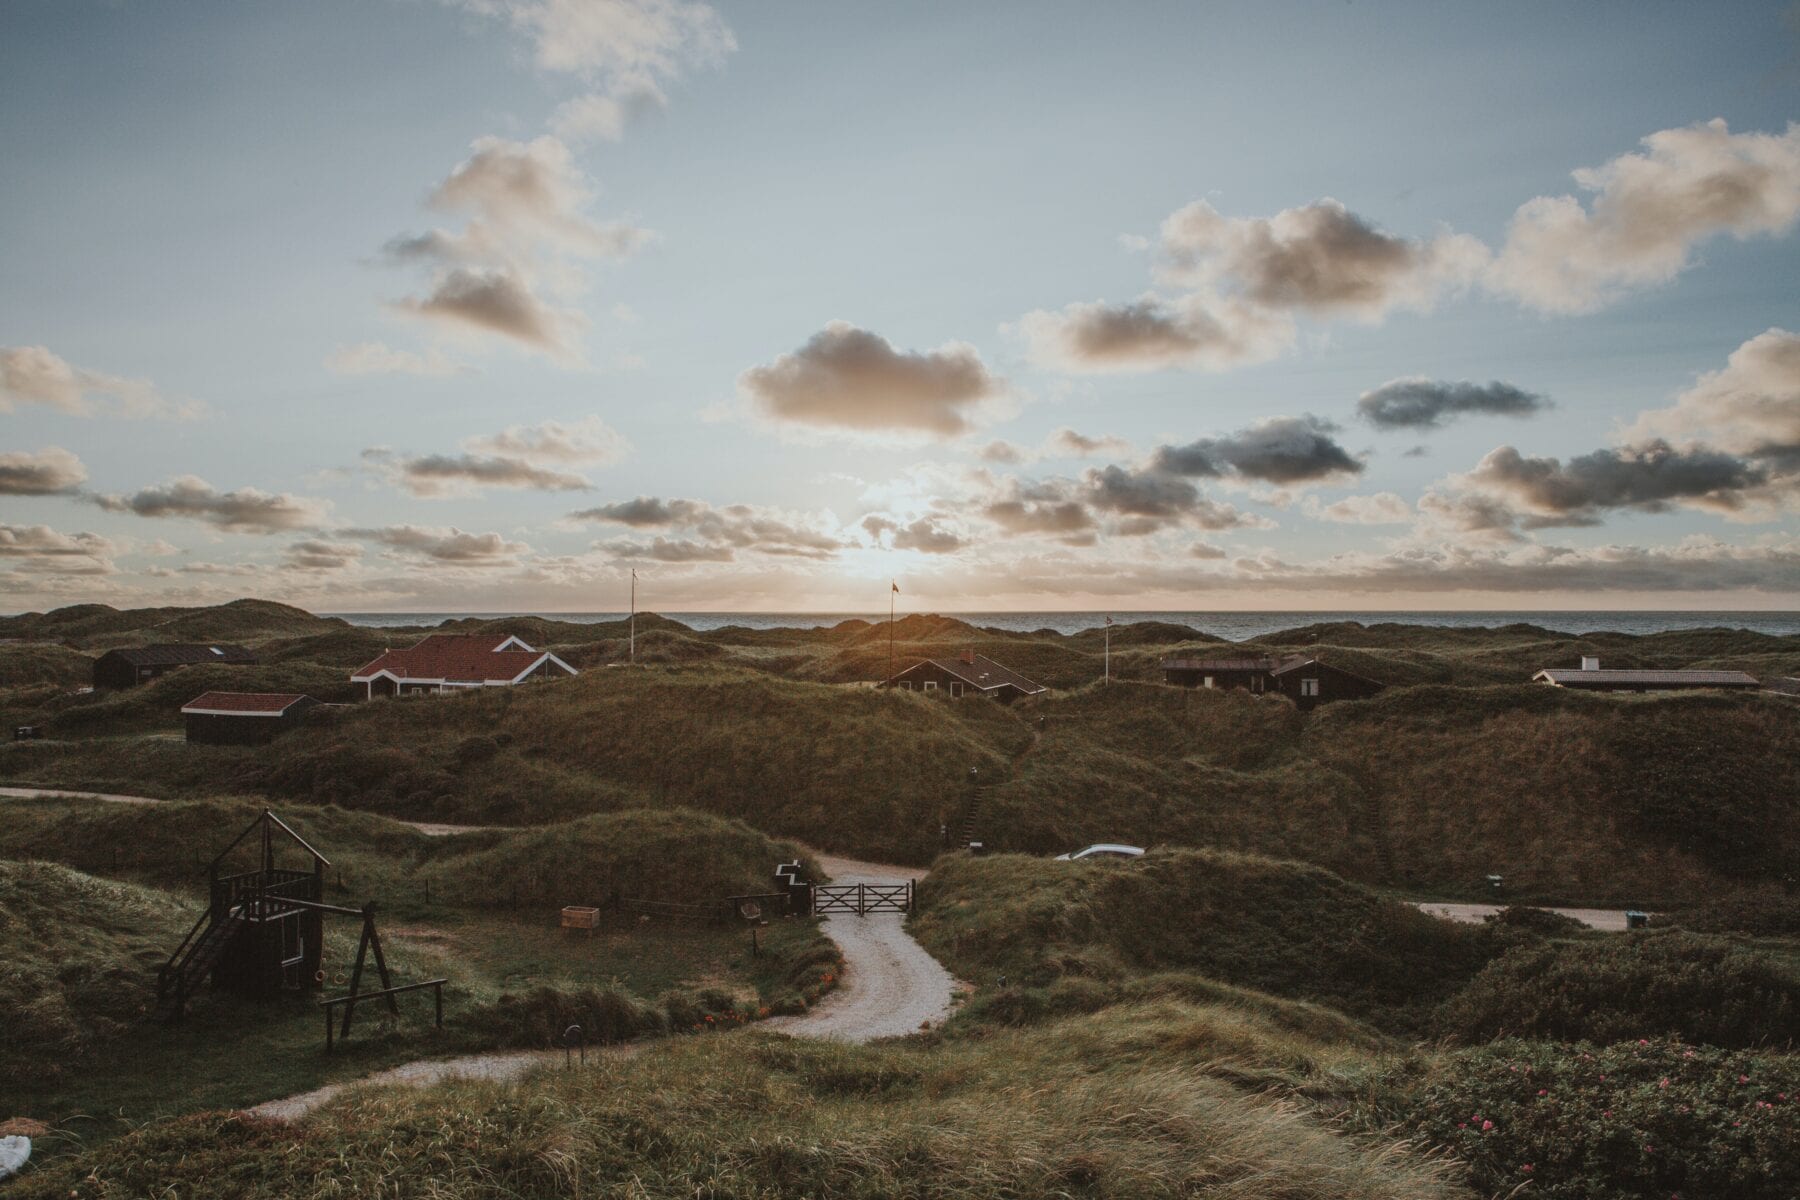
point(1309, 687)
point(956, 689)
point(931, 685)
point(1209, 681)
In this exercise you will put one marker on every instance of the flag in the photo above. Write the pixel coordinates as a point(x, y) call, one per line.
point(896, 589)
point(1109, 620)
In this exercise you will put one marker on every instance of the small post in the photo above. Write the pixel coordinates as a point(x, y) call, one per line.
point(437, 993)
point(755, 949)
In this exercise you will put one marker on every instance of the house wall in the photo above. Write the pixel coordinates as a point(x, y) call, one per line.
point(209, 729)
point(1250, 681)
point(929, 677)
point(1333, 685)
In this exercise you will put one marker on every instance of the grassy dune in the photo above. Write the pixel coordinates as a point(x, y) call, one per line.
point(1121, 1104)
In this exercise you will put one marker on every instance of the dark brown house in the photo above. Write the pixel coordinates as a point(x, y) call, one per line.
point(968, 674)
point(243, 718)
point(139, 664)
point(1306, 681)
point(1591, 678)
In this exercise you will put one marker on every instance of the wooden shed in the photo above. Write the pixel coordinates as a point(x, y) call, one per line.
point(140, 664)
point(1590, 677)
point(243, 718)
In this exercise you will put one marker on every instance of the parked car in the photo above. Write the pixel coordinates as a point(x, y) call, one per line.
point(1101, 850)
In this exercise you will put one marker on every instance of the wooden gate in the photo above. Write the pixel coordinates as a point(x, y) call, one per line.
point(862, 898)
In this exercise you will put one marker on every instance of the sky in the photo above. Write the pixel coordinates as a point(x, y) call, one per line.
point(482, 305)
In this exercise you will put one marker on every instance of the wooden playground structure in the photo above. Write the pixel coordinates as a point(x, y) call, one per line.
point(262, 935)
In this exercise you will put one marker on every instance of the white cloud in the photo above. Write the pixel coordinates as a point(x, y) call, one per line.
point(1649, 211)
point(49, 471)
point(36, 375)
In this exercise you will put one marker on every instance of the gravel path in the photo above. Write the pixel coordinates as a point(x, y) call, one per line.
point(1610, 920)
point(889, 985)
point(428, 828)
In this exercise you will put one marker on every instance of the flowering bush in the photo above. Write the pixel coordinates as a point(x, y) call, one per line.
point(1636, 1119)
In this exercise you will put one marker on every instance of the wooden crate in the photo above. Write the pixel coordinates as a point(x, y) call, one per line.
point(579, 916)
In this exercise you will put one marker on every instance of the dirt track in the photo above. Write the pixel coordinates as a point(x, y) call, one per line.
point(1610, 920)
point(890, 986)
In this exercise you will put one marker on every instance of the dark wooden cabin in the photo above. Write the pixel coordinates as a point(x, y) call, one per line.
point(1308, 682)
point(968, 674)
point(243, 718)
point(140, 664)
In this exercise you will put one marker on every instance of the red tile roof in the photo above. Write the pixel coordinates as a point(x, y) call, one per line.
point(455, 658)
point(273, 703)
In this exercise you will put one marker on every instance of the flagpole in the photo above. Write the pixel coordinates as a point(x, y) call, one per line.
point(892, 592)
point(634, 614)
point(1108, 660)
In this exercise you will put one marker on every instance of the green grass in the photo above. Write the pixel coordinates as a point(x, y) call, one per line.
point(1118, 1104)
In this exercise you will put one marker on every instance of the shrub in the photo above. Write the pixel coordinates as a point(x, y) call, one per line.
point(1631, 1120)
point(1698, 988)
point(539, 1018)
point(1763, 912)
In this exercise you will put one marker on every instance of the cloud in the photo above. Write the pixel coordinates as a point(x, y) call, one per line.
point(924, 535)
point(377, 358)
point(668, 550)
point(1649, 478)
point(625, 50)
point(1649, 210)
point(589, 440)
point(246, 510)
point(1319, 258)
point(1420, 403)
point(450, 546)
point(845, 378)
point(1281, 450)
point(1382, 508)
point(1063, 443)
point(1136, 501)
point(1750, 407)
point(318, 555)
point(62, 553)
point(438, 475)
point(514, 268)
point(733, 526)
point(35, 375)
point(1151, 334)
point(50, 471)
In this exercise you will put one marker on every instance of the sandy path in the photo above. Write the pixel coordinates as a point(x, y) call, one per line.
point(428, 828)
point(890, 986)
point(1610, 920)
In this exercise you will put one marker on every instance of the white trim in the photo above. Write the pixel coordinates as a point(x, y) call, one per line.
point(235, 712)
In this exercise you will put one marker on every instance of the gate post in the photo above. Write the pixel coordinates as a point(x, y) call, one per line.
point(862, 899)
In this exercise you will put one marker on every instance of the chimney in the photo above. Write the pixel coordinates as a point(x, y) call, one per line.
point(968, 655)
point(1590, 663)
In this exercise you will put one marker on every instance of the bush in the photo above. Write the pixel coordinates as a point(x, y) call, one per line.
point(1631, 1120)
point(539, 1018)
point(1698, 988)
point(1762, 912)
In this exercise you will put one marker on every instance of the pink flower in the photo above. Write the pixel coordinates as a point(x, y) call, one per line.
point(1526, 1167)
point(1664, 1083)
point(1543, 1091)
point(1743, 1079)
point(1486, 1125)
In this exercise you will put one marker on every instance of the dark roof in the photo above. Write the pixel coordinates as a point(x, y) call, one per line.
point(246, 703)
point(1218, 664)
point(180, 654)
point(984, 673)
point(1567, 676)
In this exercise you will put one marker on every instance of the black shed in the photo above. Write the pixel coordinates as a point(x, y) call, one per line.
point(243, 718)
point(139, 664)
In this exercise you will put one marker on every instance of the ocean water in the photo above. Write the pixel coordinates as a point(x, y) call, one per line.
point(1232, 626)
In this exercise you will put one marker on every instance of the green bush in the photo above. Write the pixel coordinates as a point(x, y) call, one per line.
point(1699, 988)
point(1629, 1121)
point(1761, 912)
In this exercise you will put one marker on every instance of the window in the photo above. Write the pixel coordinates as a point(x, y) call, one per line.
point(956, 689)
point(1309, 687)
point(1209, 681)
point(931, 685)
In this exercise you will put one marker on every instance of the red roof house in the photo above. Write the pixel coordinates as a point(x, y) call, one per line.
point(243, 718)
point(446, 662)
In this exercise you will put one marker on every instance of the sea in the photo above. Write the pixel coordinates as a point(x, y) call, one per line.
point(1230, 626)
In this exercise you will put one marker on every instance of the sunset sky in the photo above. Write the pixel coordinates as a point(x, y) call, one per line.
point(479, 304)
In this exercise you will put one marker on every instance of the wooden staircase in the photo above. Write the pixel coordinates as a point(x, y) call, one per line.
point(192, 961)
point(972, 815)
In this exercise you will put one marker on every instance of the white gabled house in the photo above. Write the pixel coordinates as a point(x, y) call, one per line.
point(448, 662)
